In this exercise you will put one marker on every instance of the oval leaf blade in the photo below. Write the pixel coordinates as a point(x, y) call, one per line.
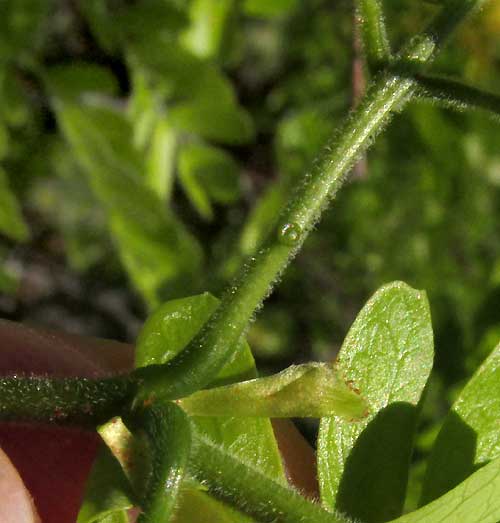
point(166, 333)
point(388, 355)
point(470, 436)
point(475, 500)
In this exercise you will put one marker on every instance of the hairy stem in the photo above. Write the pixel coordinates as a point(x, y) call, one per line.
point(169, 439)
point(457, 95)
point(200, 362)
point(249, 490)
point(72, 401)
point(373, 33)
point(208, 352)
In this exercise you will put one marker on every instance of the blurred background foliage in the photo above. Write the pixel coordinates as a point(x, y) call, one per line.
point(146, 147)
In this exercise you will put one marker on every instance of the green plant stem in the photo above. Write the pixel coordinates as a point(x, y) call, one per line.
point(205, 356)
point(373, 33)
point(457, 95)
point(169, 439)
point(249, 490)
point(196, 366)
point(75, 400)
point(71, 401)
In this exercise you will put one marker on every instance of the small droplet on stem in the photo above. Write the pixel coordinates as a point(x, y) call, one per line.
point(289, 234)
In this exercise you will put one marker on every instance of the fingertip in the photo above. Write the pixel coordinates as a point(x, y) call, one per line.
point(17, 505)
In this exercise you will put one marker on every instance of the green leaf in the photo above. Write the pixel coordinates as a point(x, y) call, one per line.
point(101, 138)
point(209, 18)
point(206, 103)
point(173, 71)
point(133, 22)
point(171, 327)
point(226, 124)
point(470, 436)
point(107, 493)
point(8, 282)
point(161, 159)
point(166, 333)
point(138, 21)
point(15, 109)
point(169, 330)
point(194, 502)
point(12, 223)
point(97, 15)
point(116, 517)
point(269, 8)
point(71, 81)
point(156, 249)
point(207, 173)
point(388, 355)
point(67, 202)
point(4, 140)
point(475, 500)
point(309, 390)
point(143, 109)
point(21, 25)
